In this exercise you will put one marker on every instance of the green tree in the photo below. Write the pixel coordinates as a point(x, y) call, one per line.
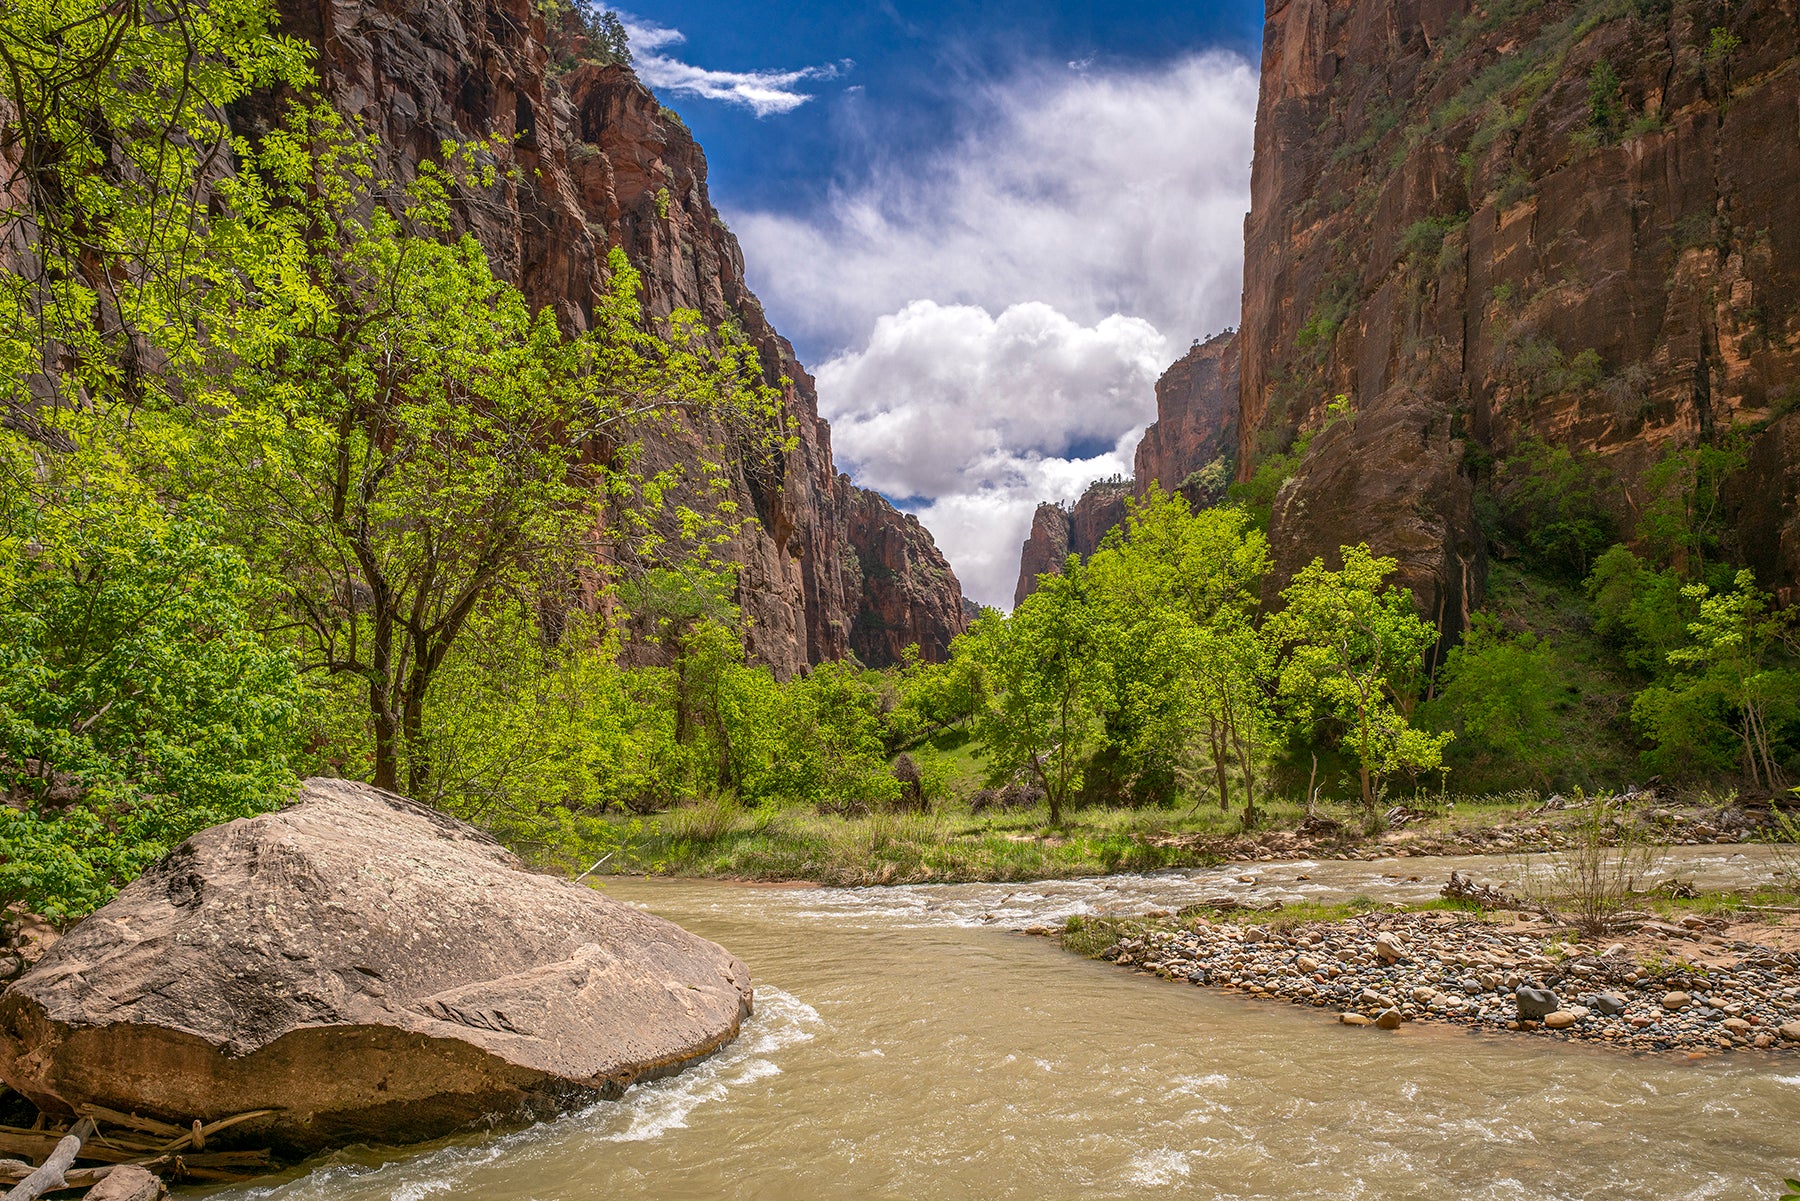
point(1499, 695)
point(113, 118)
point(399, 435)
point(1043, 684)
point(1684, 517)
point(1637, 608)
point(1179, 588)
point(137, 704)
point(1353, 646)
point(1728, 679)
point(1554, 501)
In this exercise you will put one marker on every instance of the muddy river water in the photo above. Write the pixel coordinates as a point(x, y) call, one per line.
point(908, 1044)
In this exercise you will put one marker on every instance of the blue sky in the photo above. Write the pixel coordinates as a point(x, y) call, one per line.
point(986, 227)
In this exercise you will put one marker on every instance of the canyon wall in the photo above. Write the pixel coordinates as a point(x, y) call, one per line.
point(1570, 223)
point(592, 161)
point(1188, 449)
point(1196, 423)
point(1057, 533)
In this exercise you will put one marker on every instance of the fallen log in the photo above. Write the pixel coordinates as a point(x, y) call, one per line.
point(49, 1177)
point(131, 1121)
point(196, 1137)
point(38, 1145)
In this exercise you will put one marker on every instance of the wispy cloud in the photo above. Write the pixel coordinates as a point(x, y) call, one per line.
point(993, 319)
point(763, 92)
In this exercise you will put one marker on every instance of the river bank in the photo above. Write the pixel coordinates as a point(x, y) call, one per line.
point(1688, 982)
point(959, 844)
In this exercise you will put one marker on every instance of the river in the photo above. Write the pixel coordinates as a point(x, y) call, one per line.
point(907, 1044)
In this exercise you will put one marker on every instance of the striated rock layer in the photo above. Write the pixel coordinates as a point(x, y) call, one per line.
point(1571, 222)
point(595, 162)
point(369, 969)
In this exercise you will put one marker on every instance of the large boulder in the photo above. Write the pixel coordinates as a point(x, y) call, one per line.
point(371, 970)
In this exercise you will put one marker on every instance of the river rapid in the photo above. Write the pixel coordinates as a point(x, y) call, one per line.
point(908, 1043)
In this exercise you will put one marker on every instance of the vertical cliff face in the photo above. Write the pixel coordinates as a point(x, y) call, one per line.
point(1057, 533)
point(594, 162)
point(1196, 421)
point(1571, 221)
point(899, 583)
point(1045, 548)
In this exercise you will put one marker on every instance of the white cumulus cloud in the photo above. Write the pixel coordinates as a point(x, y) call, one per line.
point(994, 318)
point(975, 418)
point(1097, 193)
point(763, 92)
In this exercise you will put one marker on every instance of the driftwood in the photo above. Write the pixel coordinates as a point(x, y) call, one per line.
point(49, 1177)
point(144, 1145)
point(12, 1171)
point(1486, 896)
point(128, 1183)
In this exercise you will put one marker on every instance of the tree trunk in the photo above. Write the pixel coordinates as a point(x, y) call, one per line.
point(1368, 793)
point(387, 754)
point(412, 732)
point(1243, 755)
point(1218, 756)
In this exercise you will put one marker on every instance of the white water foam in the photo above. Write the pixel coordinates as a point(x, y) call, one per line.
point(645, 1112)
point(1157, 1169)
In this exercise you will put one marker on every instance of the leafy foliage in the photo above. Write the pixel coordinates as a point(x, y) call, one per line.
point(398, 434)
point(137, 704)
point(1354, 651)
point(1728, 687)
point(1499, 693)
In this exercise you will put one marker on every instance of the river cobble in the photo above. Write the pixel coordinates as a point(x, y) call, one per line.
point(1387, 969)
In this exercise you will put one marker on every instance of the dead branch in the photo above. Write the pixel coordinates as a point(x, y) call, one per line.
point(50, 1177)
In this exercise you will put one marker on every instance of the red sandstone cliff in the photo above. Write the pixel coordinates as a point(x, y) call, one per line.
point(1573, 221)
point(827, 569)
point(1196, 422)
point(1057, 533)
point(1195, 428)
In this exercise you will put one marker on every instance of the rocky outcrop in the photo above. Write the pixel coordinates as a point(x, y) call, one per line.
point(901, 584)
point(1196, 423)
point(1057, 533)
point(1046, 548)
point(371, 970)
point(590, 161)
point(1570, 222)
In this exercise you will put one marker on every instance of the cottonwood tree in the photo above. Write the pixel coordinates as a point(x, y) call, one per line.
point(404, 441)
point(1043, 679)
point(111, 123)
point(1728, 678)
point(1181, 587)
point(1352, 646)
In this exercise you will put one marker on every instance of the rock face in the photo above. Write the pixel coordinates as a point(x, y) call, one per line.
point(595, 163)
point(900, 583)
point(371, 969)
point(1196, 421)
point(1570, 222)
point(1057, 533)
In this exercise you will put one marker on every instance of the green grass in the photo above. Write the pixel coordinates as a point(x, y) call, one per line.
point(947, 844)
